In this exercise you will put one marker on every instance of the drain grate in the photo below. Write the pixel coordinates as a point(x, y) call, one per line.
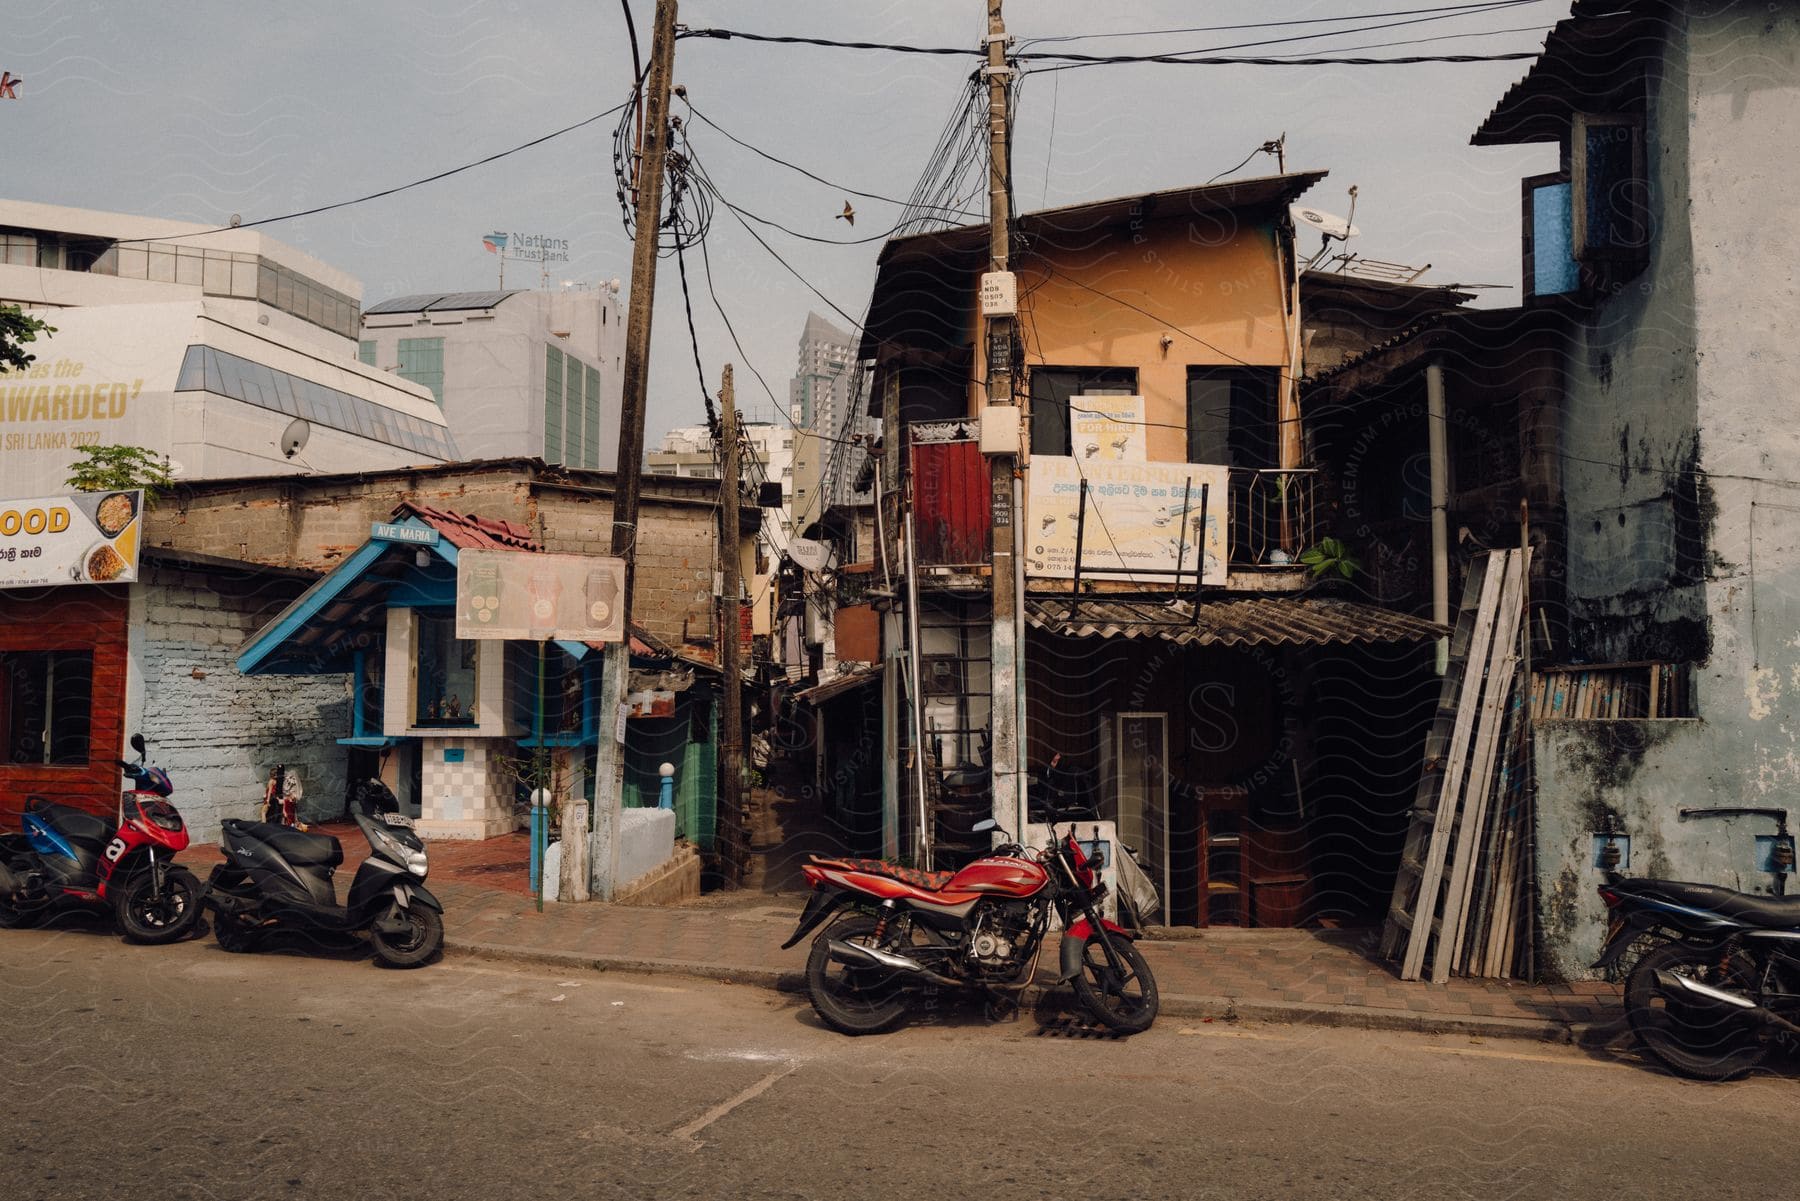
point(1070, 1028)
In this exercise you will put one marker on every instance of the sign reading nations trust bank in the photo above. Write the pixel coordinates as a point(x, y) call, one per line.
point(83, 538)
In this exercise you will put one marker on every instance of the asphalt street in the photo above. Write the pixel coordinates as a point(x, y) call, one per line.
point(184, 1072)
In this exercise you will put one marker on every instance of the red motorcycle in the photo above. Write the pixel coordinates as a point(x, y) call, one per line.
point(982, 929)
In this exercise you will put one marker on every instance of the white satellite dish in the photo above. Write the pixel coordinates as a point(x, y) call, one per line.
point(1329, 224)
point(293, 438)
point(175, 467)
point(614, 284)
point(810, 555)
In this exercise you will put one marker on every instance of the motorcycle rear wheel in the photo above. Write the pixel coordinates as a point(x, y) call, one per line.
point(1690, 1041)
point(852, 1000)
point(418, 946)
point(1126, 1003)
point(236, 933)
point(155, 921)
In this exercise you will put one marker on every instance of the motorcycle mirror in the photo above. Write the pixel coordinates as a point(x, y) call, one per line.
point(984, 825)
point(137, 743)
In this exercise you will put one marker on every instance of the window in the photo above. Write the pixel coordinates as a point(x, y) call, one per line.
point(1231, 416)
point(18, 250)
point(422, 362)
point(590, 420)
point(1550, 266)
point(1053, 387)
point(1610, 200)
point(365, 353)
point(448, 678)
point(553, 405)
point(46, 706)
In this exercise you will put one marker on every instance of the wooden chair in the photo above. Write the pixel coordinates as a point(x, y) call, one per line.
point(1277, 876)
point(1224, 880)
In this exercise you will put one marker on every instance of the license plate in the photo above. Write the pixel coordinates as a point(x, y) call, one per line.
point(397, 819)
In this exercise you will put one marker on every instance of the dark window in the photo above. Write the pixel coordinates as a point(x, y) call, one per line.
point(1610, 201)
point(46, 706)
point(1052, 389)
point(1231, 416)
point(447, 672)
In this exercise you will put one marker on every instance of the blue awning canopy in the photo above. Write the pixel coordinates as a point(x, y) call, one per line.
point(346, 611)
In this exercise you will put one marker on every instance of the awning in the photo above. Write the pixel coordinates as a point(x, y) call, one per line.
point(830, 689)
point(1252, 621)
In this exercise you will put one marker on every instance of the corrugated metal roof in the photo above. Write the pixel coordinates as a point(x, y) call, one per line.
point(1252, 621)
point(820, 693)
point(465, 531)
point(440, 302)
point(1597, 53)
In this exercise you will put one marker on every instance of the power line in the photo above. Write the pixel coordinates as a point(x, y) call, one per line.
point(1472, 8)
point(326, 208)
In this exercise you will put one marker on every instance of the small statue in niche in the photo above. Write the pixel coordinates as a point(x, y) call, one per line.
point(432, 711)
point(453, 707)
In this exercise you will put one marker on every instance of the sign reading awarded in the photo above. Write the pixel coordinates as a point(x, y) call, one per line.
point(533, 597)
point(1135, 524)
point(81, 538)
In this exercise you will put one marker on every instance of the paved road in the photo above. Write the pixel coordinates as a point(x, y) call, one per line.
point(184, 1072)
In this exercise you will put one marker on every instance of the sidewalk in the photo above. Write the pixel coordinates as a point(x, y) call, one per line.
point(1321, 977)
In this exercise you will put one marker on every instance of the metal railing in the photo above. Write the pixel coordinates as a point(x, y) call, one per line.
point(1272, 515)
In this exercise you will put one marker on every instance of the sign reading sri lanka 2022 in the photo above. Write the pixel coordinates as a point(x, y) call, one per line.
point(82, 538)
point(55, 391)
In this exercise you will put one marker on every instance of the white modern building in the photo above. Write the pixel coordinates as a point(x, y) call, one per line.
point(517, 374)
point(201, 344)
point(687, 451)
point(826, 400)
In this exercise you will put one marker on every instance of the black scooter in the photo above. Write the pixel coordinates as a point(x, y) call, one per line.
point(278, 878)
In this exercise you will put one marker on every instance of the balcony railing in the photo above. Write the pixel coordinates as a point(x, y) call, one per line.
point(1272, 518)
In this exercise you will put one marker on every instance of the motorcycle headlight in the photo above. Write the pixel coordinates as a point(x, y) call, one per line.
point(415, 863)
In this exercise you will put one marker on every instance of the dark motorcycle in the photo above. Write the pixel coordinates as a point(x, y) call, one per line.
point(1718, 980)
point(68, 857)
point(980, 929)
point(278, 878)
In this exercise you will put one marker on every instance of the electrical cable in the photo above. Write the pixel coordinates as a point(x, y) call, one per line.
point(1477, 7)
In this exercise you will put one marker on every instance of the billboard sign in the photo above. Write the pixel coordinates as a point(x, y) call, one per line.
point(1134, 521)
point(80, 538)
point(533, 597)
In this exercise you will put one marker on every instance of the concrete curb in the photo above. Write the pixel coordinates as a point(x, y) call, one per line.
point(1174, 1005)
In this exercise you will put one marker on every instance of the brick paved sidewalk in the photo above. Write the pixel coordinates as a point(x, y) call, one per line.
point(1326, 977)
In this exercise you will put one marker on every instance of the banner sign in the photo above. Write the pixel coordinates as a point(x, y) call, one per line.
point(81, 538)
point(1134, 519)
point(534, 597)
point(1108, 429)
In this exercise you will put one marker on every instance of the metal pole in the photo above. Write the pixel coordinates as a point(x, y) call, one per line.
point(1440, 504)
point(1006, 670)
point(609, 768)
point(731, 735)
point(540, 814)
point(916, 691)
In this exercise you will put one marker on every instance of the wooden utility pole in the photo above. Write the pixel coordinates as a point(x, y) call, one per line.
point(609, 783)
point(734, 832)
point(1008, 781)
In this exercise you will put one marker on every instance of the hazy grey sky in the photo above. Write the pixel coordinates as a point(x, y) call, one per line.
point(201, 110)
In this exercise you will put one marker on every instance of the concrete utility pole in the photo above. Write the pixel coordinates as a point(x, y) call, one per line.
point(734, 831)
point(609, 770)
point(1007, 676)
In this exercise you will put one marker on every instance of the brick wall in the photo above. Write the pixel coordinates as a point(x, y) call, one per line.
point(316, 523)
point(218, 732)
point(76, 617)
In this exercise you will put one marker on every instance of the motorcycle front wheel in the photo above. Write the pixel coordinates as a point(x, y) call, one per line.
point(422, 941)
point(853, 1000)
point(153, 919)
point(1693, 1041)
point(1126, 1000)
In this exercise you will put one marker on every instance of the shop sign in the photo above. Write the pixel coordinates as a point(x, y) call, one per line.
point(533, 597)
point(383, 531)
point(81, 538)
point(1135, 526)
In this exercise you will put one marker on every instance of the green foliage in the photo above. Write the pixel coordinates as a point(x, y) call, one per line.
point(1329, 557)
point(116, 468)
point(16, 331)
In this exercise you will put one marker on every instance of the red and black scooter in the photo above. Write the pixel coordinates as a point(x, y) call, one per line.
point(69, 857)
point(982, 928)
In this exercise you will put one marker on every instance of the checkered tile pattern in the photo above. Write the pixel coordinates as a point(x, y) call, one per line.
point(474, 789)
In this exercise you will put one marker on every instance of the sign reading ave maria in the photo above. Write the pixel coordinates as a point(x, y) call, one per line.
point(82, 538)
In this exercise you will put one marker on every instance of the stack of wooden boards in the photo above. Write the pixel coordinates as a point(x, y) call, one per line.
point(1461, 894)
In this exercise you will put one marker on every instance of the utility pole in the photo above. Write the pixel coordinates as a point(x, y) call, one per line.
point(609, 770)
point(1008, 678)
point(734, 830)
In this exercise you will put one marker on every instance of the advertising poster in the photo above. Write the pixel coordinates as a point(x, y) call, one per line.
point(1134, 520)
point(533, 597)
point(1107, 429)
point(82, 538)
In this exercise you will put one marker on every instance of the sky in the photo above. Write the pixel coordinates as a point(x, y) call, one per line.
point(203, 110)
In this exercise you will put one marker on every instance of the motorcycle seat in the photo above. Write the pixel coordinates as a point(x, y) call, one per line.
point(77, 825)
point(929, 881)
point(1752, 910)
point(298, 848)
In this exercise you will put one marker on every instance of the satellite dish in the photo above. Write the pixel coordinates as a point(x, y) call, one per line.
point(175, 467)
point(614, 284)
point(1329, 224)
point(236, 220)
point(810, 555)
point(293, 438)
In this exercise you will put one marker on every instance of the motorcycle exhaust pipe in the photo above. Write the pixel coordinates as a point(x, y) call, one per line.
point(852, 955)
point(1729, 1003)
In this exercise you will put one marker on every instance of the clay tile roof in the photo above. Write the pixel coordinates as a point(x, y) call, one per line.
point(465, 531)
